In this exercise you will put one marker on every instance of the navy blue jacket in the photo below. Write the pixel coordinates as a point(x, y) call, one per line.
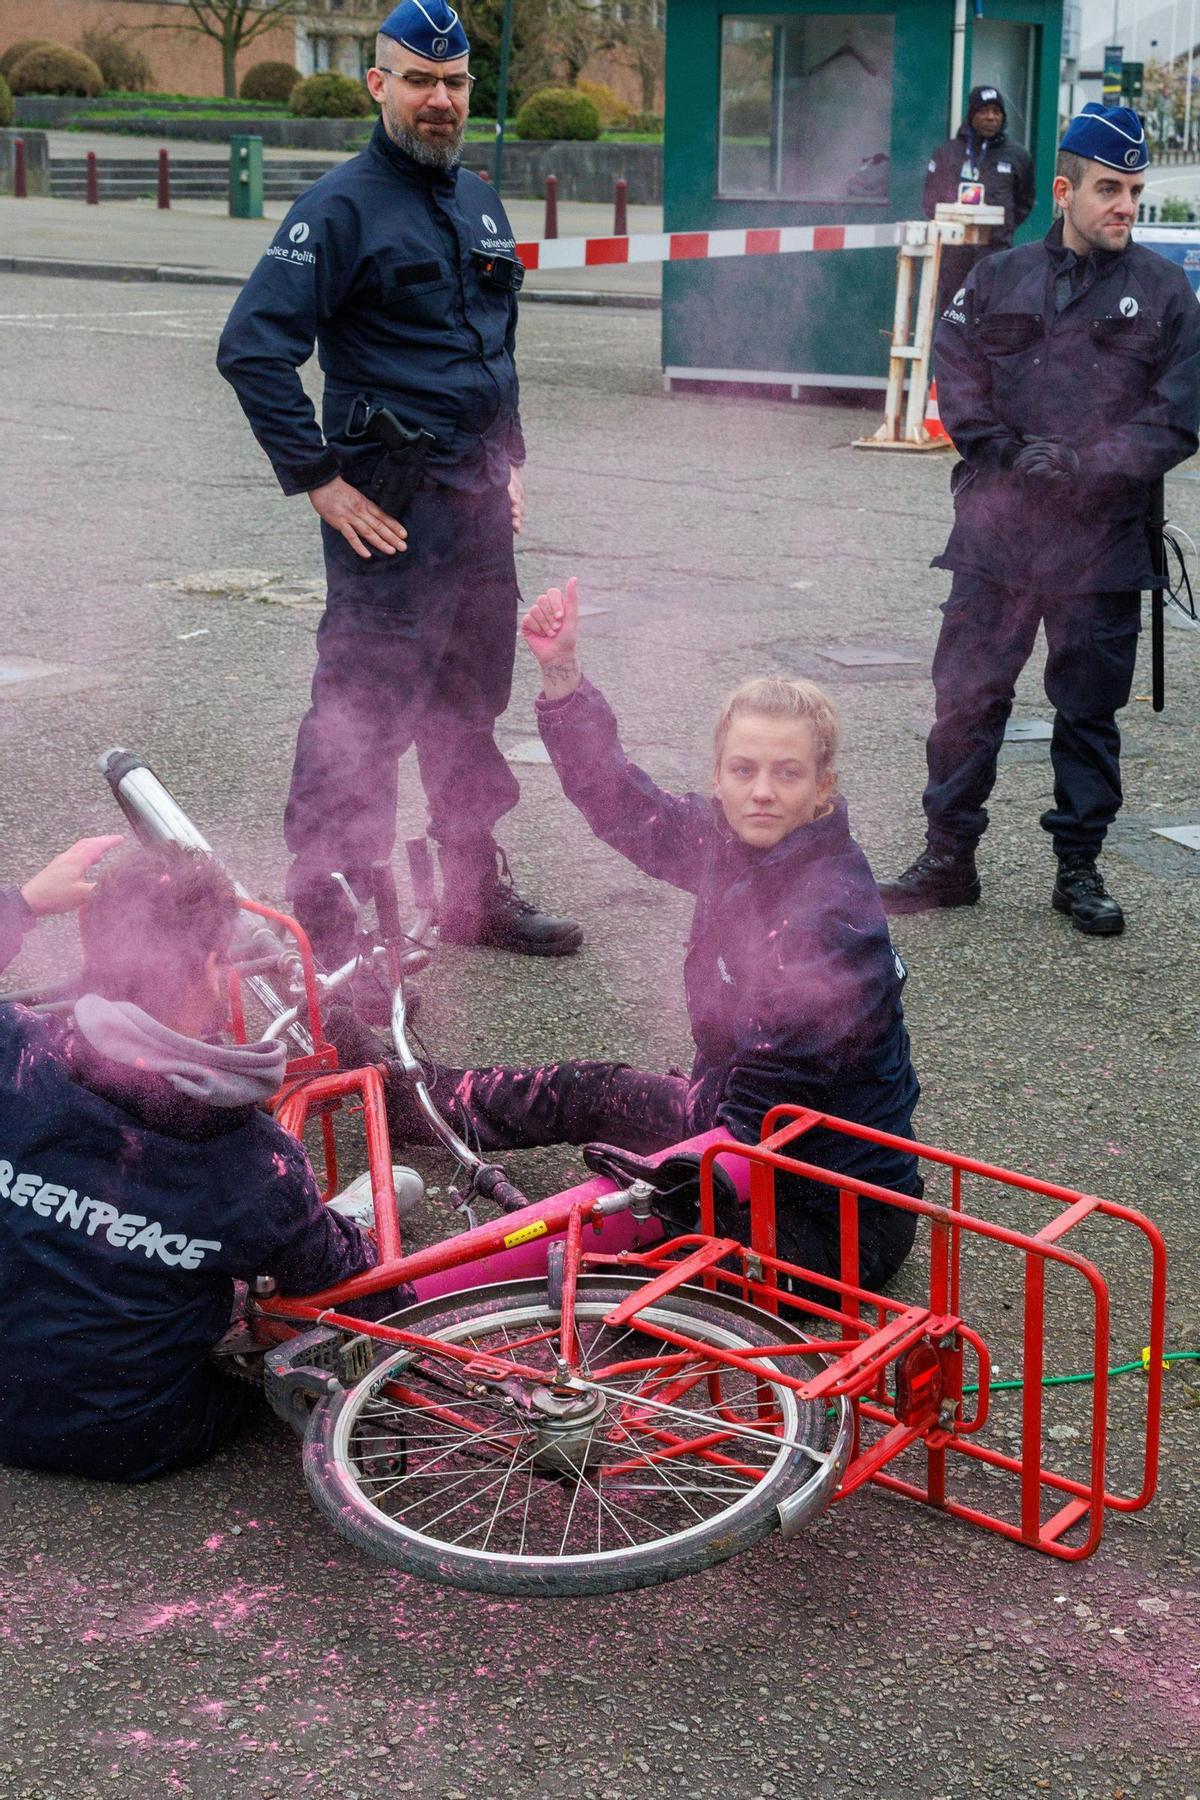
point(1115, 373)
point(793, 987)
point(126, 1212)
point(1004, 167)
point(374, 263)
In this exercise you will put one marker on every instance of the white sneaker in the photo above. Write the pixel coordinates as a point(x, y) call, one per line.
point(357, 1202)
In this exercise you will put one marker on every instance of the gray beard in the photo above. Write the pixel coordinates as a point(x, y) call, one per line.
point(431, 156)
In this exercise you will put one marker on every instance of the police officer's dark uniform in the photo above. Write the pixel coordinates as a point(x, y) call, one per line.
point(384, 263)
point(1069, 385)
point(1004, 170)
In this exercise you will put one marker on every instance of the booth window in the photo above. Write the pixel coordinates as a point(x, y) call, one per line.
point(806, 106)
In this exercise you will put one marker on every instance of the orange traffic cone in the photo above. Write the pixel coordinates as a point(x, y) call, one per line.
point(935, 431)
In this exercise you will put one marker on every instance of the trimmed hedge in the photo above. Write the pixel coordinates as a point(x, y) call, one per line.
point(21, 47)
point(558, 113)
point(125, 70)
point(6, 105)
point(56, 70)
point(269, 81)
point(615, 113)
point(330, 97)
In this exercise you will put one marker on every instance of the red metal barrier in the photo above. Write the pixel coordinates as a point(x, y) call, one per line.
point(20, 179)
point(93, 180)
point(164, 181)
point(620, 208)
point(550, 229)
point(917, 1372)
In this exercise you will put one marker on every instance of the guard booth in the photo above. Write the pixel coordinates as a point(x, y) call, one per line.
point(794, 113)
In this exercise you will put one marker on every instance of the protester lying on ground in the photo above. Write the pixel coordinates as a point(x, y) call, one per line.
point(139, 1177)
point(793, 987)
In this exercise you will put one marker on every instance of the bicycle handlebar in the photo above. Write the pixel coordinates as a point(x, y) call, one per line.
point(491, 1183)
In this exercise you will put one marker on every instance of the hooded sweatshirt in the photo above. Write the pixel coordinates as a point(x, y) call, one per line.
point(1005, 169)
point(138, 1180)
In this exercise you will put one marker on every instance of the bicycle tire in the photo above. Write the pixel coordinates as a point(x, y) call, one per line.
point(369, 1459)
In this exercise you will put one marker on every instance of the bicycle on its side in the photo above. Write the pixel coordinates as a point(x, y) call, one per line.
point(604, 1390)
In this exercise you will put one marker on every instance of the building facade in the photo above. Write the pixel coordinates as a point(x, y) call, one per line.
point(794, 114)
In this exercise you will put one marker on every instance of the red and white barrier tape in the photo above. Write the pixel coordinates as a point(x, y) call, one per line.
point(698, 246)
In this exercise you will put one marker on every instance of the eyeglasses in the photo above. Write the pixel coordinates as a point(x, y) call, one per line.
point(423, 82)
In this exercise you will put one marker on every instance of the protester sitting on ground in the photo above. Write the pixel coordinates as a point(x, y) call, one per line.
point(793, 987)
point(139, 1177)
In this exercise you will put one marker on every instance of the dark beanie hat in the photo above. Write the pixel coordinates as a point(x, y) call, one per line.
point(985, 96)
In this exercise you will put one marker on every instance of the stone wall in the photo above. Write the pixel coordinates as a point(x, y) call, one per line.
point(37, 161)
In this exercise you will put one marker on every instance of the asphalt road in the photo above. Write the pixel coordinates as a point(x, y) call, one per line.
point(207, 1636)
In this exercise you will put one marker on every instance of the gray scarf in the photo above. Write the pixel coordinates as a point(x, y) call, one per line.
point(218, 1074)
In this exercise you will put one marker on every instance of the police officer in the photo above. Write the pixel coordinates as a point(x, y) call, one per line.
point(1069, 378)
point(399, 265)
point(980, 156)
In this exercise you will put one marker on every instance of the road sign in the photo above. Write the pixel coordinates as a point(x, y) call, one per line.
point(1114, 56)
point(1132, 74)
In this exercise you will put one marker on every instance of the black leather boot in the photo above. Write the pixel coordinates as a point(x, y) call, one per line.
point(937, 878)
point(480, 905)
point(1080, 892)
point(325, 913)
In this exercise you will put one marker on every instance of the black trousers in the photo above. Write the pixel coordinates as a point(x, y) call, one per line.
point(585, 1102)
point(416, 648)
point(987, 636)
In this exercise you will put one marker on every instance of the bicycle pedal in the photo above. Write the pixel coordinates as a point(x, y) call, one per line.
point(311, 1367)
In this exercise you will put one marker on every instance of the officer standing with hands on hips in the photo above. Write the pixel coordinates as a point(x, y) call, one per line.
point(1068, 377)
point(399, 265)
point(983, 166)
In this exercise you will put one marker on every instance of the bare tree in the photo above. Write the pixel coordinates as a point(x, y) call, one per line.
point(234, 24)
point(636, 27)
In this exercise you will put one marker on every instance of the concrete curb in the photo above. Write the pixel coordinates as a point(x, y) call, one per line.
point(106, 271)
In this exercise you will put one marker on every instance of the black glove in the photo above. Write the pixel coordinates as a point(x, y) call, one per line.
point(1048, 464)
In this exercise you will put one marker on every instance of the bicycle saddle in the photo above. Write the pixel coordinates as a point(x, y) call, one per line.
point(675, 1180)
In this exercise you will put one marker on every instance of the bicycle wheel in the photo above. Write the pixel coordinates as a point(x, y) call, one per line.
point(659, 1462)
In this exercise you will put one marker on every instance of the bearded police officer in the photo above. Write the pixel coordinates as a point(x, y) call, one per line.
point(399, 264)
point(983, 162)
point(1069, 378)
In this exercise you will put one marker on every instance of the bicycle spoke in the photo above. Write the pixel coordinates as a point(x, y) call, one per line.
point(646, 1451)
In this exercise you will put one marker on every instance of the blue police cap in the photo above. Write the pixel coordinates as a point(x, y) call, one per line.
point(1111, 135)
point(428, 28)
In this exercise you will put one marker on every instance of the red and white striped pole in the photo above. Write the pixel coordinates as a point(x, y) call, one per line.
point(93, 180)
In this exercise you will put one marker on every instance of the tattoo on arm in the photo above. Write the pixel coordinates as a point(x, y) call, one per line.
point(561, 677)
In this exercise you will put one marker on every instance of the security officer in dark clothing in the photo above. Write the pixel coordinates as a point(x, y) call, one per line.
point(399, 265)
point(1069, 378)
point(980, 155)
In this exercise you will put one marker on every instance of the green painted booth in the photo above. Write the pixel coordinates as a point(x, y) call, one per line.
point(796, 114)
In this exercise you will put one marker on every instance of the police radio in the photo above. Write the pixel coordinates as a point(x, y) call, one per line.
point(499, 271)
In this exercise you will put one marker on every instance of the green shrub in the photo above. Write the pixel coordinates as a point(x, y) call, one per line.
point(56, 70)
point(615, 113)
point(558, 113)
point(6, 105)
point(329, 97)
point(1174, 211)
point(646, 122)
point(20, 48)
point(125, 70)
point(269, 81)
